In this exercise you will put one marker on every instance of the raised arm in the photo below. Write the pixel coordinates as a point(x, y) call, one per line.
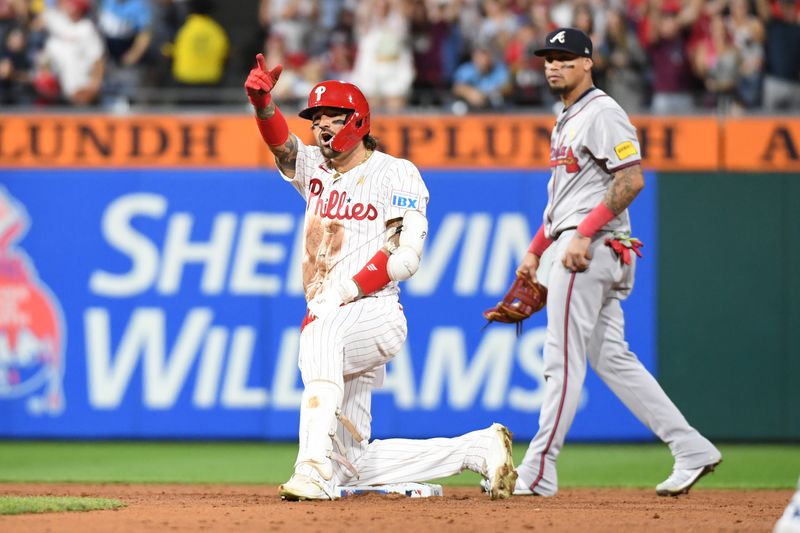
point(286, 153)
point(762, 10)
point(271, 123)
point(690, 12)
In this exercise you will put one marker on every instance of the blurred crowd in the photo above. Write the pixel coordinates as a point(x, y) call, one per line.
point(109, 52)
point(461, 56)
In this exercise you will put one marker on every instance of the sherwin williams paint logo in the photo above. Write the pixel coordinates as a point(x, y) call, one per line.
point(31, 325)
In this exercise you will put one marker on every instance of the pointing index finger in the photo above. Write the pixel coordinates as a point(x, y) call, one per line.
point(276, 72)
point(262, 63)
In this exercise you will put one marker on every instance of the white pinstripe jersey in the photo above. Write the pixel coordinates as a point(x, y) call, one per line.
point(592, 139)
point(346, 215)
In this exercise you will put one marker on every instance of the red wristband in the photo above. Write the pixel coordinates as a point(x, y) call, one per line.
point(274, 130)
point(540, 243)
point(599, 217)
point(374, 276)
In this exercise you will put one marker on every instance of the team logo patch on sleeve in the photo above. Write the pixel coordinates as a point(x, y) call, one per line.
point(625, 150)
point(405, 200)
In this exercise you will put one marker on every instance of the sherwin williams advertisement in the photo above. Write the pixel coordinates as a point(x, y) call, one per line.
point(159, 303)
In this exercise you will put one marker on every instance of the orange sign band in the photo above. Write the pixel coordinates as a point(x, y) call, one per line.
point(486, 141)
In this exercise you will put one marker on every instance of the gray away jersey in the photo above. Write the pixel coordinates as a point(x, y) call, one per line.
point(592, 139)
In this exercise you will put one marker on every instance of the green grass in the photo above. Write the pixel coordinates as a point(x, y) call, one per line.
point(743, 466)
point(48, 504)
point(580, 465)
point(146, 462)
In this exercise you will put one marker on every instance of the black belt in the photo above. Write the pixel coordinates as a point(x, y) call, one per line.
point(568, 228)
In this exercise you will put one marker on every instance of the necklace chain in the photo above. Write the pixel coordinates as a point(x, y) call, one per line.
point(338, 174)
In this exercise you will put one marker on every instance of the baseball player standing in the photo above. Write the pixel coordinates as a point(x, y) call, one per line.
point(596, 174)
point(364, 230)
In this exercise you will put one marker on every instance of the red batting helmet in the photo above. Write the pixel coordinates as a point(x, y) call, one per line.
point(81, 5)
point(341, 95)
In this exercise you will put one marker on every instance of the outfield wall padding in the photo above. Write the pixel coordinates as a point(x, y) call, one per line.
point(729, 302)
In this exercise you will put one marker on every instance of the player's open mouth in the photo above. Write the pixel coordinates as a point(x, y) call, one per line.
point(326, 137)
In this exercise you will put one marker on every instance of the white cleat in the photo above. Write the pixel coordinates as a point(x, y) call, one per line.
point(301, 487)
point(790, 521)
point(520, 489)
point(500, 473)
point(682, 479)
point(306, 484)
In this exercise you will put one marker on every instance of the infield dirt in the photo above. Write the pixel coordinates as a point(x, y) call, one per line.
point(211, 508)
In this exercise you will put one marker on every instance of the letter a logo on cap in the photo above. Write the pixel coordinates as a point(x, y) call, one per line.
point(558, 37)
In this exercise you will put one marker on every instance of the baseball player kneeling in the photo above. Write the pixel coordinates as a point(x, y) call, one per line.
point(364, 232)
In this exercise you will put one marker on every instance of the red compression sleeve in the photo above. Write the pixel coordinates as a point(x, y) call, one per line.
point(274, 130)
point(375, 275)
point(596, 219)
point(540, 243)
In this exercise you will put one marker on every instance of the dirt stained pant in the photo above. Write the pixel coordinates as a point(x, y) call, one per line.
point(342, 358)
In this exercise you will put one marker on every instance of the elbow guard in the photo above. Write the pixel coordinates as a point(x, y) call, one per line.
point(404, 261)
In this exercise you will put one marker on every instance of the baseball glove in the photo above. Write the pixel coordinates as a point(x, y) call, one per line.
point(522, 300)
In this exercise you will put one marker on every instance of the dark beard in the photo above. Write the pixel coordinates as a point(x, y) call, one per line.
point(558, 91)
point(328, 152)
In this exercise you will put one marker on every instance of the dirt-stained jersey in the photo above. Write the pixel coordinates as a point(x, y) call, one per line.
point(346, 214)
point(592, 139)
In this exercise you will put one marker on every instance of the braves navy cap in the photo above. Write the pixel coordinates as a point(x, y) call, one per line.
point(570, 40)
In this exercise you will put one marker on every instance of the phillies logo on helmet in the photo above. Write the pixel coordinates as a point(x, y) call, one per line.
point(31, 323)
point(346, 96)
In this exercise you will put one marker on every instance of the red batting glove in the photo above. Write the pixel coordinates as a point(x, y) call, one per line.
point(260, 82)
point(624, 246)
point(635, 245)
point(622, 251)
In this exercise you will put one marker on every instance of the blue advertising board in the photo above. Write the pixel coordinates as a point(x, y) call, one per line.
point(166, 304)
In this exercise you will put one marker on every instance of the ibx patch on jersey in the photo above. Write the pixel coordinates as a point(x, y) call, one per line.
point(405, 200)
point(625, 150)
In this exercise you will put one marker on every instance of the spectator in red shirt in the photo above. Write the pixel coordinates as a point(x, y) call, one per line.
point(666, 32)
